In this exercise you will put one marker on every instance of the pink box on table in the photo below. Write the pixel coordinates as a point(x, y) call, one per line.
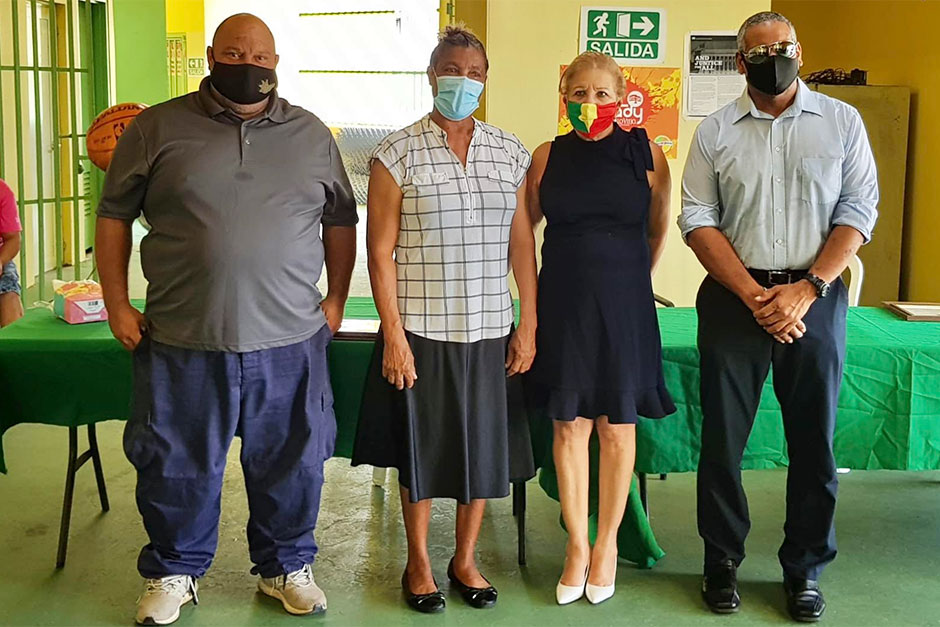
point(78, 302)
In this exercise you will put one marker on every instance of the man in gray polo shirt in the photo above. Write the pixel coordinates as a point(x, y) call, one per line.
point(235, 183)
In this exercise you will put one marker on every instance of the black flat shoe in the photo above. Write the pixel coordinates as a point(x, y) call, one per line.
point(804, 600)
point(425, 603)
point(720, 588)
point(480, 598)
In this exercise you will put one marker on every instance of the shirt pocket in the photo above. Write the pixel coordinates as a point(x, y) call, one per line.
point(822, 179)
point(503, 177)
point(425, 179)
point(423, 194)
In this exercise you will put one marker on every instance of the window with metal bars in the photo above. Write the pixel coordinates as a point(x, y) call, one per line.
point(53, 81)
point(176, 64)
point(359, 65)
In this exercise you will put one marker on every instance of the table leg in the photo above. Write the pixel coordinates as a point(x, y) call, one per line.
point(99, 472)
point(518, 510)
point(641, 479)
point(75, 462)
point(378, 477)
point(67, 499)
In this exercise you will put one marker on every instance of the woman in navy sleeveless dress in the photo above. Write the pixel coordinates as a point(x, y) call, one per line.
point(604, 193)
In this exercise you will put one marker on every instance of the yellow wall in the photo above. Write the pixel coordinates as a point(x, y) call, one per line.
point(188, 17)
point(472, 13)
point(527, 41)
point(897, 43)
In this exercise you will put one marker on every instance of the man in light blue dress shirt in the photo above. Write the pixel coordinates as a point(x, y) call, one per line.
point(779, 192)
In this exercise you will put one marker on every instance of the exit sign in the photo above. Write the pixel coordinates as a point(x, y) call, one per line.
point(631, 36)
point(196, 66)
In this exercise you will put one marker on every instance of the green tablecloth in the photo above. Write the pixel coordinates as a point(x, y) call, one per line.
point(889, 408)
point(889, 405)
point(59, 374)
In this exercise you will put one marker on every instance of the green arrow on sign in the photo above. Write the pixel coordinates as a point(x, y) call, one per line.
point(644, 26)
point(630, 25)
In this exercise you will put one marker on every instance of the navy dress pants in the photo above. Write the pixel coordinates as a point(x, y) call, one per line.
point(736, 355)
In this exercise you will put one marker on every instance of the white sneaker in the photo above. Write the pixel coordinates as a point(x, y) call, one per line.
point(297, 591)
point(162, 599)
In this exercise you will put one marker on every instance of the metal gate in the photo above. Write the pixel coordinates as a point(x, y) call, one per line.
point(176, 64)
point(53, 81)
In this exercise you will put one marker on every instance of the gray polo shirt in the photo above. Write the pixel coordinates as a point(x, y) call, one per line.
point(235, 206)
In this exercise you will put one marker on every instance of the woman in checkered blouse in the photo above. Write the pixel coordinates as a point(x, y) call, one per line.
point(443, 403)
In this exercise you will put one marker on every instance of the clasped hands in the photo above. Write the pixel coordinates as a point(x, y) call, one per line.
point(780, 310)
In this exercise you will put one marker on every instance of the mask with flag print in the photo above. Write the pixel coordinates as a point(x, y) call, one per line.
point(592, 119)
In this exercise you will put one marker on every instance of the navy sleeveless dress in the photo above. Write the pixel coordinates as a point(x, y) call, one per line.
point(598, 344)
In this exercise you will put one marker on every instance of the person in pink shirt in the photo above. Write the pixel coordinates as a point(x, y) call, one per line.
point(11, 308)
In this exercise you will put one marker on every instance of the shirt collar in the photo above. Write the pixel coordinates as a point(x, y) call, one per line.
point(743, 106)
point(276, 110)
point(429, 124)
point(806, 101)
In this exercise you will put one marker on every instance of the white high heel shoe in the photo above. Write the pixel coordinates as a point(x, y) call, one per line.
point(569, 594)
point(598, 594)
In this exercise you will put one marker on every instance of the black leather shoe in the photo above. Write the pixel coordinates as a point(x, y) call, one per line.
point(480, 598)
point(720, 588)
point(805, 601)
point(426, 603)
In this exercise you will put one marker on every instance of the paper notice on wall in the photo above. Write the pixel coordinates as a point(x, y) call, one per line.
point(712, 78)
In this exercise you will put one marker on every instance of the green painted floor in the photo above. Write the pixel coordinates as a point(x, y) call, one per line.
point(887, 573)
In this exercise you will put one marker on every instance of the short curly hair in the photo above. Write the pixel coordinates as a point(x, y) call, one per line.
point(458, 36)
point(592, 60)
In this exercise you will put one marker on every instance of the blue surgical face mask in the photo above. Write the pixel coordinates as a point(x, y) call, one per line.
point(457, 96)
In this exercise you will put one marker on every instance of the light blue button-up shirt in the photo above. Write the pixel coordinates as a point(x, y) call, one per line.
point(777, 187)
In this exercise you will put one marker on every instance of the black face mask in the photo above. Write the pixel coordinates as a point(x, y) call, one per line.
point(243, 83)
point(774, 75)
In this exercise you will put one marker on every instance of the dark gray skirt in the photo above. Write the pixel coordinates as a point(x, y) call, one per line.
point(461, 432)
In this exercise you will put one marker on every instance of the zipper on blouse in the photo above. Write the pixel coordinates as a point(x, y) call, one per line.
point(471, 213)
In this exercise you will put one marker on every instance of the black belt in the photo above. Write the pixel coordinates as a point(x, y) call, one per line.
point(769, 278)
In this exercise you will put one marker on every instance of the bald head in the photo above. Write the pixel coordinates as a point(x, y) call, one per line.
point(243, 38)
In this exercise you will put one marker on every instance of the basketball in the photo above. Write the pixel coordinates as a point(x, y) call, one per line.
point(104, 132)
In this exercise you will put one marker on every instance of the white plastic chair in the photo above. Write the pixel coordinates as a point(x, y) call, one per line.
point(856, 277)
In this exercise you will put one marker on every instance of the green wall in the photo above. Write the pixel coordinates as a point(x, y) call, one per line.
point(140, 51)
